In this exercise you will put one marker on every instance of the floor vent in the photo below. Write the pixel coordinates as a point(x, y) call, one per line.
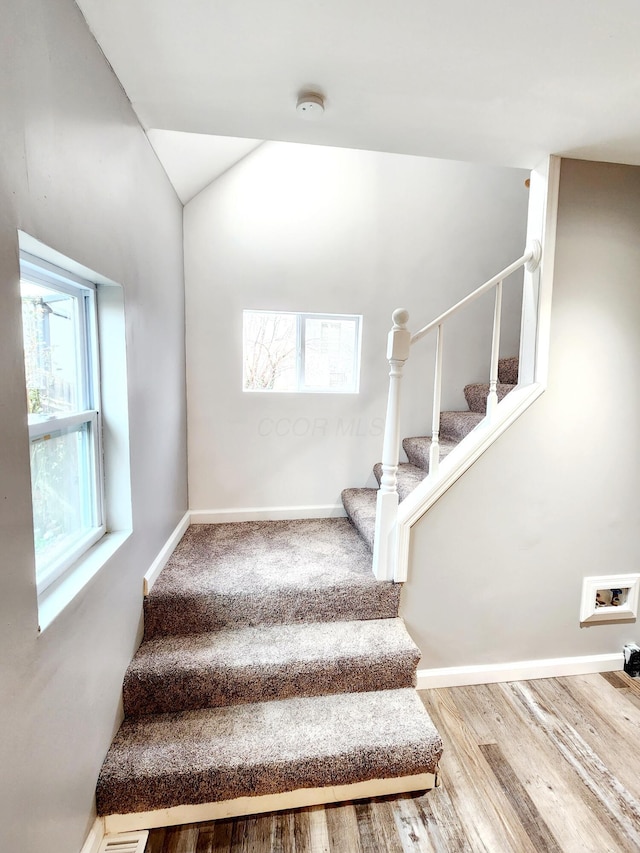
point(126, 842)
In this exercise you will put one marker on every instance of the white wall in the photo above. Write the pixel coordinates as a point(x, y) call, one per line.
point(303, 228)
point(497, 565)
point(77, 173)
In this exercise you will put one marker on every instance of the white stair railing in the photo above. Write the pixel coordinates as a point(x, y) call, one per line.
point(399, 346)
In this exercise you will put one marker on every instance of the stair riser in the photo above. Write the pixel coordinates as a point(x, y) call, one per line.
point(454, 426)
point(476, 396)
point(418, 448)
point(315, 693)
point(182, 690)
point(360, 506)
point(180, 615)
point(508, 370)
point(408, 480)
point(301, 798)
point(279, 773)
point(365, 526)
point(273, 778)
point(418, 455)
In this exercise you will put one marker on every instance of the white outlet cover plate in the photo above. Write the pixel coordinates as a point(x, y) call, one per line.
point(629, 610)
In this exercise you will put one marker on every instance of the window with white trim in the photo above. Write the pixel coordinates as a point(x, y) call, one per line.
point(296, 352)
point(63, 398)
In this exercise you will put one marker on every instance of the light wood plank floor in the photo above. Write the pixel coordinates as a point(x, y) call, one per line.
point(529, 767)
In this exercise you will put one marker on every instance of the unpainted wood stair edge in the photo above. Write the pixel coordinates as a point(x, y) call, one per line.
point(300, 798)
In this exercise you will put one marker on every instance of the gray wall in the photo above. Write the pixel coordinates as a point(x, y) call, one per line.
point(497, 564)
point(77, 173)
point(310, 228)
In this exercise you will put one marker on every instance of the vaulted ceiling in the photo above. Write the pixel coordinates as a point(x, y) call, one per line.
point(496, 81)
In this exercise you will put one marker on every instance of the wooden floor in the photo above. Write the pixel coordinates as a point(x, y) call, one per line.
point(531, 766)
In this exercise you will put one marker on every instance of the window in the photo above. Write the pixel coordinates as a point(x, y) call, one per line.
point(63, 399)
point(301, 352)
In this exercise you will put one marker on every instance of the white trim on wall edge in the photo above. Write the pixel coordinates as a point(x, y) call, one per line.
point(165, 552)
point(300, 798)
point(541, 226)
point(94, 839)
point(461, 458)
point(462, 676)
point(269, 513)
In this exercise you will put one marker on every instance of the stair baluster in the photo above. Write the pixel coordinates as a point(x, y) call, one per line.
point(386, 551)
point(434, 450)
point(492, 398)
point(384, 548)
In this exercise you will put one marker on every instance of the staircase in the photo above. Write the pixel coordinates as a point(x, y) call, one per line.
point(274, 671)
point(360, 504)
point(272, 662)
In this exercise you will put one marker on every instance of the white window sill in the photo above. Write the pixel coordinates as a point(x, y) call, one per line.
point(53, 600)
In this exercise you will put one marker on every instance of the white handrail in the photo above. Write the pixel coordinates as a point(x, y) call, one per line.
point(528, 258)
point(399, 345)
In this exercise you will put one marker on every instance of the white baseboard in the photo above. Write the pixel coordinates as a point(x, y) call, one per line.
point(167, 550)
point(272, 513)
point(300, 798)
point(94, 839)
point(460, 676)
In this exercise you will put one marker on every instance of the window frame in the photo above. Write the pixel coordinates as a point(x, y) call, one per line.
point(301, 318)
point(36, 271)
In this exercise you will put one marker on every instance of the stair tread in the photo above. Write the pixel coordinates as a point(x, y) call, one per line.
point(486, 385)
point(409, 476)
point(251, 664)
point(253, 573)
point(159, 761)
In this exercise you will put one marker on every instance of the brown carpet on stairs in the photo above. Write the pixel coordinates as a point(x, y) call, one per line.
point(418, 449)
point(273, 661)
point(409, 476)
point(476, 395)
point(266, 748)
point(253, 664)
point(455, 426)
point(508, 370)
point(360, 503)
point(267, 572)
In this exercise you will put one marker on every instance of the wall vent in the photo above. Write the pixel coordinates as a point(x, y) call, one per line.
point(125, 842)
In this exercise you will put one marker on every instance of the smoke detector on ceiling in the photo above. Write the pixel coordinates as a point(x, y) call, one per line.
point(310, 106)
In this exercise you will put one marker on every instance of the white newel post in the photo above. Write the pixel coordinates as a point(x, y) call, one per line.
point(384, 549)
point(530, 293)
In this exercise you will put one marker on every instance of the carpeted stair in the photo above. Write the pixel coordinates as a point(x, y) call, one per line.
point(360, 504)
point(272, 660)
point(248, 664)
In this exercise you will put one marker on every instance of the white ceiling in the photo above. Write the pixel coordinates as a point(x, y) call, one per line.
point(500, 81)
point(193, 160)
